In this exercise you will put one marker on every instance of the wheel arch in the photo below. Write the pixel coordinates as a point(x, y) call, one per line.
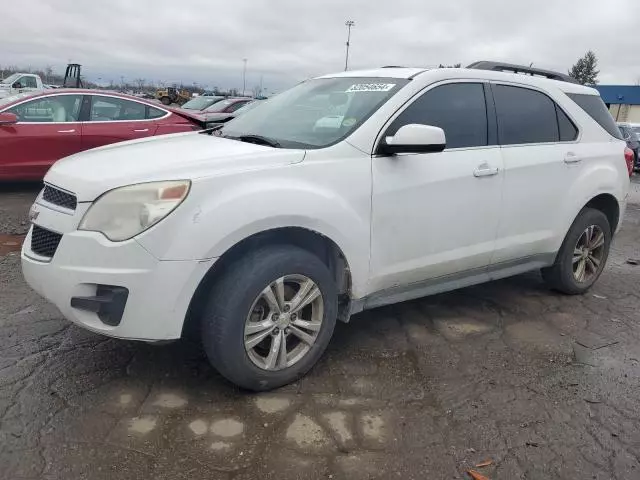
point(314, 242)
point(607, 204)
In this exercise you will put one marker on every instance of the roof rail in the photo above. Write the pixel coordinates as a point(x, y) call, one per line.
point(509, 67)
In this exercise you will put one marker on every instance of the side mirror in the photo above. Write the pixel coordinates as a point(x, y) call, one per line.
point(8, 118)
point(414, 138)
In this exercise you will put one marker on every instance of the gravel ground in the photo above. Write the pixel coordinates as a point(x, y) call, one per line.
point(534, 384)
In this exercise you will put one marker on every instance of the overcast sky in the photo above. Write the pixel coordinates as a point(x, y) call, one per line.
point(286, 41)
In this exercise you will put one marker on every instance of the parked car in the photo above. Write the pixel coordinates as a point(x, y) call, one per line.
point(201, 102)
point(21, 83)
point(347, 192)
point(38, 129)
point(212, 118)
point(631, 135)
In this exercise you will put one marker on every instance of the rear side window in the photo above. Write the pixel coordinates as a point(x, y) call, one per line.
point(153, 112)
point(458, 108)
point(568, 131)
point(525, 116)
point(595, 107)
point(29, 82)
point(111, 109)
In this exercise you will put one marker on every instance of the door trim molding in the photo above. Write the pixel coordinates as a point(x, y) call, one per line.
point(452, 281)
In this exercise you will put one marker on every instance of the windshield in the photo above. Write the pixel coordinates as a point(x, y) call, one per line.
point(10, 79)
point(316, 113)
point(200, 103)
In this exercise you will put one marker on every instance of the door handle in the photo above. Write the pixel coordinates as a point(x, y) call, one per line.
point(571, 157)
point(485, 170)
point(143, 130)
point(67, 131)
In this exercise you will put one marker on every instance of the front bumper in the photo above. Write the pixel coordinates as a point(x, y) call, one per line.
point(159, 292)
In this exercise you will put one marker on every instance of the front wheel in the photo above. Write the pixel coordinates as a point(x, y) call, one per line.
point(583, 254)
point(270, 317)
point(166, 101)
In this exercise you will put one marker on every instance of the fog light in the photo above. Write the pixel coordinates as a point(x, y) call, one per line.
point(108, 303)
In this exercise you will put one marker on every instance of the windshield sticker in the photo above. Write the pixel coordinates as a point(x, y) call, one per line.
point(370, 87)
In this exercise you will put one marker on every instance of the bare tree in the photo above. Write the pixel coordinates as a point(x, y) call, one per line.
point(140, 83)
point(48, 72)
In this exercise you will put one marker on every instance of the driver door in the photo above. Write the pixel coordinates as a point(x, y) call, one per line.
point(435, 215)
point(47, 130)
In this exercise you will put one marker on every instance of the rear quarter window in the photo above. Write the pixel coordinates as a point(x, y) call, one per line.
point(596, 109)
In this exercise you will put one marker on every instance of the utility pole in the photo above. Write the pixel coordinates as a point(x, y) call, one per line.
point(349, 24)
point(244, 76)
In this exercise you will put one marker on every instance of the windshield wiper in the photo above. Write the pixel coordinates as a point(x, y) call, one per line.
point(259, 139)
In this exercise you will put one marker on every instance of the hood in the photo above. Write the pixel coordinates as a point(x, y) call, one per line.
point(169, 157)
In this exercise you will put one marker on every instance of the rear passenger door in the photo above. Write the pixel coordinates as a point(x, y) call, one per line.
point(541, 158)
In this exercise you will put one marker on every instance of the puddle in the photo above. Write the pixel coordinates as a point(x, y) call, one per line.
point(10, 243)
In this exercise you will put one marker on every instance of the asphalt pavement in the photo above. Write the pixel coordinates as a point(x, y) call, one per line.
point(507, 379)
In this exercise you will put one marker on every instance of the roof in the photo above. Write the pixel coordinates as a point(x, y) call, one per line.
point(439, 74)
point(78, 91)
point(620, 94)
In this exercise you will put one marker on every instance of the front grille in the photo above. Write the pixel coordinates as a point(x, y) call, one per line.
point(58, 197)
point(44, 242)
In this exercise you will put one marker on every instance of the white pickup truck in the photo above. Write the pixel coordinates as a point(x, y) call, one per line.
point(20, 83)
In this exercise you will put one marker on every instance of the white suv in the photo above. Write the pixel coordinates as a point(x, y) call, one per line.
point(347, 192)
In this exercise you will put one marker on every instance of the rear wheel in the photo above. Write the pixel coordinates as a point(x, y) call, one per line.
point(165, 101)
point(270, 317)
point(583, 254)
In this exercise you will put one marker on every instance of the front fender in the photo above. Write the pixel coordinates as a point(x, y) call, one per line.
point(210, 224)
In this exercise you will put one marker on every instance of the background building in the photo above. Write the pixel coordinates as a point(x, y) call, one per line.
point(623, 101)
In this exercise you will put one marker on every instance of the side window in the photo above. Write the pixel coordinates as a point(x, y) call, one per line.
point(524, 116)
point(596, 109)
point(458, 108)
point(111, 109)
point(56, 108)
point(568, 131)
point(153, 112)
point(29, 82)
point(236, 106)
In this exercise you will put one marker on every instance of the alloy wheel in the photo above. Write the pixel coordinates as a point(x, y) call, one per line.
point(588, 254)
point(284, 322)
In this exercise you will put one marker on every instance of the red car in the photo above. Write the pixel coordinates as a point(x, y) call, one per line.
point(38, 129)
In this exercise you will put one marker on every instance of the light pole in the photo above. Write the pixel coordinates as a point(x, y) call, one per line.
point(244, 76)
point(349, 24)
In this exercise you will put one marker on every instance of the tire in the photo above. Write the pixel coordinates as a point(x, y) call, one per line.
point(166, 101)
point(561, 276)
point(239, 291)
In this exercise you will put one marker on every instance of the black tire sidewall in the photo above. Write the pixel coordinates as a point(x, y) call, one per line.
point(232, 297)
point(587, 217)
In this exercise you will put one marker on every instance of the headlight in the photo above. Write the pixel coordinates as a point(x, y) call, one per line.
point(125, 212)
